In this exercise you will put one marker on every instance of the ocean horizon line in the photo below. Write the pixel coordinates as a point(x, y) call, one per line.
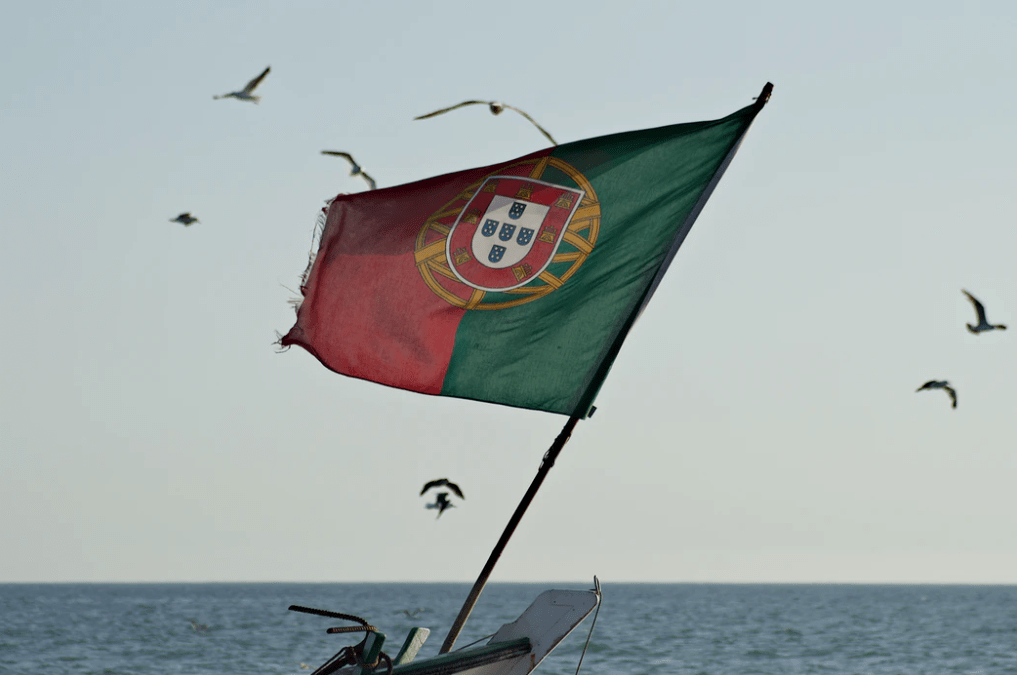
point(559, 582)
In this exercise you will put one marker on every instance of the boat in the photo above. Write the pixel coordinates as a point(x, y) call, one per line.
point(517, 648)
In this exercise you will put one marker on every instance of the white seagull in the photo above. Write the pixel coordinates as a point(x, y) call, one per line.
point(246, 94)
point(983, 325)
point(355, 169)
point(185, 219)
point(496, 107)
point(940, 384)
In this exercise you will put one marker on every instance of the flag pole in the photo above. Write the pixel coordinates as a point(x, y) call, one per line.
point(585, 402)
point(545, 465)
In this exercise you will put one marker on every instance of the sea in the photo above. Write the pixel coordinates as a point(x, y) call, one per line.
point(715, 629)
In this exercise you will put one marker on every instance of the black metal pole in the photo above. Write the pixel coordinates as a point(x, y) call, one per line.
point(545, 465)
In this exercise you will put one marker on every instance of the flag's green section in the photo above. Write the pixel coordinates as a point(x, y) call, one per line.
point(546, 354)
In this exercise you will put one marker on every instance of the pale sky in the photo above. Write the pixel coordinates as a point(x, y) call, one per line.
point(761, 423)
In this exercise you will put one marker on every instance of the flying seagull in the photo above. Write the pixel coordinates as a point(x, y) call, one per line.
point(940, 384)
point(983, 325)
point(495, 107)
point(355, 169)
point(441, 503)
point(443, 482)
point(246, 94)
point(412, 614)
point(185, 219)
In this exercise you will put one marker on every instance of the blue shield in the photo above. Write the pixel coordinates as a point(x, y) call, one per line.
point(490, 225)
point(506, 232)
point(496, 253)
point(525, 234)
point(517, 210)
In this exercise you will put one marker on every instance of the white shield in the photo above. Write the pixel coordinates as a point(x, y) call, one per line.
point(506, 231)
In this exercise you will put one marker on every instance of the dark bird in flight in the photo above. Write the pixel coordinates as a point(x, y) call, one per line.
point(412, 614)
point(496, 108)
point(198, 626)
point(443, 482)
point(185, 219)
point(983, 324)
point(246, 94)
point(940, 384)
point(355, 169)
point(441, 503)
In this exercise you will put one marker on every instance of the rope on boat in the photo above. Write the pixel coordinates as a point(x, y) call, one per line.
point(336, 615)
point(382, 656)
point(600, 597)
point(352, 655)
point(486, 637)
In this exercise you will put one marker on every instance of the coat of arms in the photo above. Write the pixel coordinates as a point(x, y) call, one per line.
point(509, 238)
point(520, 227)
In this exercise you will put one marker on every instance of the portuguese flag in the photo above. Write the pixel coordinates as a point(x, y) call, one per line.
point(514, 283)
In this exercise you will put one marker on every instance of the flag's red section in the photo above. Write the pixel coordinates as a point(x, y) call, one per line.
point(367, 312)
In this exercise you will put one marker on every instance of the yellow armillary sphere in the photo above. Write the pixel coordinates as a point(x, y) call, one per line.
point(510, 237)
